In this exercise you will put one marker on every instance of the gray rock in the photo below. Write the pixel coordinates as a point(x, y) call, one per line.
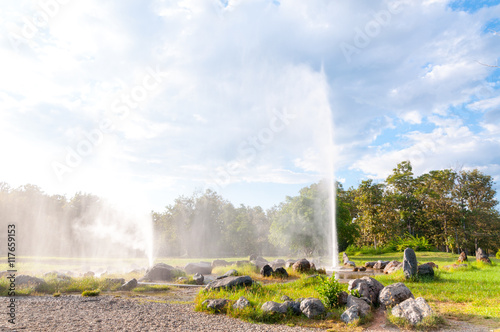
point(129, 285)
point(410, 264)
point(293, 307)
point(229, 273)
point(220, 262)
point(230, 282)
point(412, 310)
point(362, 306)
point(345, 258)
point(285, 298)
point(463, 257)
point(266, 271)
point(350, 263)
point(394, 294)
point(367, 287)
point(280, 273)
point(370, 264)
point(89, 274)
point(425, 270)
point(241, 303)
point(343, 298)
point(393, 266)
point(312, 307)
point(482, 257)
point(162, 272)
point(216, 305)
point(198, 278)
point(380, 265)
point(302, 265)
point(272, 306)
point(201, 268)
point(350, 315)
point(28, 281)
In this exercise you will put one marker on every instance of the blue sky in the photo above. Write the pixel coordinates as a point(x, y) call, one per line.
point(255, 99)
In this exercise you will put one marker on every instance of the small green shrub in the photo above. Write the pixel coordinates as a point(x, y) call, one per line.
point(329, 290)
point(57, 294)
point(94, 292)
point(498, 254)
point(409, 241)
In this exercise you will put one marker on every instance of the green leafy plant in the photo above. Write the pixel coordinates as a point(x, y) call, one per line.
point(498, 254)
point(355, 292)
point(329, 290)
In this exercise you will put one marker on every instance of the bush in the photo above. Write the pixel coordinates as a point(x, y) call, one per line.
point(94, 292)
point(498, 254)
point(329, 290)
point(415, 242)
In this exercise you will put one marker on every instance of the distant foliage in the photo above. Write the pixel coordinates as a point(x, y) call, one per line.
point(329, 290)
point(409, 241)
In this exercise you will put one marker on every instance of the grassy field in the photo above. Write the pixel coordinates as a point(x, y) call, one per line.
point(470, 294)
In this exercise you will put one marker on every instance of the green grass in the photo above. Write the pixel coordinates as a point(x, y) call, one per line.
point(471, 293)
point(258, 294)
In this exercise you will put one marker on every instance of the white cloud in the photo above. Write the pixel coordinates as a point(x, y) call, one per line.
point(226, 71)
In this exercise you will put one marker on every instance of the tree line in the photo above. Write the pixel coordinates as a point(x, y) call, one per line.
point(453, 210)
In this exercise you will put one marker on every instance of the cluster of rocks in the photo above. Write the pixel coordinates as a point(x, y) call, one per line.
point(373, 293)
point(310, 307)
point(267, 271)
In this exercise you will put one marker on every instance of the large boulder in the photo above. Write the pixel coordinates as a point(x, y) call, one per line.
point(162, 272)
point(220, 262)
point(425, 270)
point(463, 257)
point(216, 305)
point(392, 267)
point(28, 281)
point(241, 303)
point(362, 306)
point(230, 282)
point(201, 268)
point(266, 271)
point(302, 265)
point(280, 272)
point(129, 285)
point(394, 294)
point(410, 264)
point(312, 307)
point(412, 310)
point(367, 287)
point(482, 257)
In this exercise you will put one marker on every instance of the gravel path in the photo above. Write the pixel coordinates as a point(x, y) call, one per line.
point(108, 313)
point(146, 313)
